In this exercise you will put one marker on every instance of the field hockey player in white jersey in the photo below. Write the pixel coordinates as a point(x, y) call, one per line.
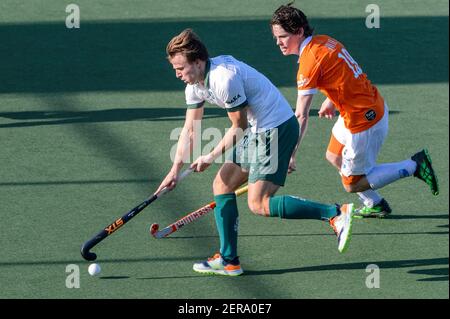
point(262, 142)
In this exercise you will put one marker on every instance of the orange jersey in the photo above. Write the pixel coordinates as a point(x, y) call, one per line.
point(326, 65)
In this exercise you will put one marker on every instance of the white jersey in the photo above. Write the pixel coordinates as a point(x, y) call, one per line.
point(232, 85)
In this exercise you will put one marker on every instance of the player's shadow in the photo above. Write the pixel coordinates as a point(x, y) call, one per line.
point(80, 182)
point(39, 118)
point(80, 261)
point(425, 216)
point(114, 277)
point(189, 237)
point(439, 274)
point(48, 117)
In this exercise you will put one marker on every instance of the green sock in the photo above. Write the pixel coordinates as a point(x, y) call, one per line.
point(291, 207)
point(226, 214)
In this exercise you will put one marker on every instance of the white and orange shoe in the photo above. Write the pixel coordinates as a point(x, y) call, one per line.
point(216, 265)
point(342, 226)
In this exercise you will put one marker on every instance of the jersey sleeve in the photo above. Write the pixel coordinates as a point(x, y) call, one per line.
point(308, 74)
point(192, 100)
point(232, 93)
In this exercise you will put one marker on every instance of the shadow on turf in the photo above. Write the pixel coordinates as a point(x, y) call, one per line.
point(100, 260)
point(39, 118)
point(426, 216)
point(440, 273)
point(394, 264)
point(81, 182)
point(309, 235)
point(130, 55)
point(114, 277)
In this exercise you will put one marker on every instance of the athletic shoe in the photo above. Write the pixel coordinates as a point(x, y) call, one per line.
point(380, 210)
point(424, 170)
point(342, 225)
point(216, 265)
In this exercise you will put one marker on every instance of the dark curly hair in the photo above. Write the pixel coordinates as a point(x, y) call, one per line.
point(291, 20)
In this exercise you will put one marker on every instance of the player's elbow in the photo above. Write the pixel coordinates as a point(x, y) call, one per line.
point(243, 125)
point(241, 122)
point(187, 131)
point(302, 118)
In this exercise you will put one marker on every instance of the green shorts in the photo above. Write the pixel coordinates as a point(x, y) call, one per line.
point(266, 155)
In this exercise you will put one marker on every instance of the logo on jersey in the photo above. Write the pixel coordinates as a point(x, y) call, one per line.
point(234, 99)
point(370, 115)
point(331, 44)
point(302, 81)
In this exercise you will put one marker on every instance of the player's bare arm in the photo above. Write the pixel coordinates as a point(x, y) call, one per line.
point(233, 135)
point(184, 147)
point(302, 113)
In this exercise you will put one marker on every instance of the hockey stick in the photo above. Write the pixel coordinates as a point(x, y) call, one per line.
point(111, 228)
point(189, 218)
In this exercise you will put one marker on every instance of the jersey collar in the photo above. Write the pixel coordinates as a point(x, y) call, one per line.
point(303, 45)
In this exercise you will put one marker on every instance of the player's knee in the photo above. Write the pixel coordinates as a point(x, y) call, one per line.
point(330, 158)
point(352, 183)
point(350, 188)
point(219, 186)
point(257, 207)
point(333, 159)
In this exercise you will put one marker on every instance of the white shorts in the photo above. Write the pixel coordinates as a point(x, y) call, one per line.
point(360, 151)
